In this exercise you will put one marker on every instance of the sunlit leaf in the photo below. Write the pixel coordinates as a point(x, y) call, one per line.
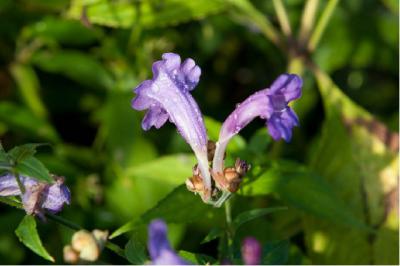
point(198, 259)
point(20, 153)
point(28, 235)
point(34, 168)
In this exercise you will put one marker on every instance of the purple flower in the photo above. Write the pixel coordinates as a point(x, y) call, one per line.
point(270, 104)
point(159, 247)
point(251, 251)
point(167, 97)
point(38, 195)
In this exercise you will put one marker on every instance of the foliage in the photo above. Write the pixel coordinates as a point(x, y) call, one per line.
point(329, 197)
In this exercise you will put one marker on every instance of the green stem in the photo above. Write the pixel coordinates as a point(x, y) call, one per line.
point(322, 23)
point(307, 20)
point(282, 17)
point(20, 185)
point(63, 221)
point(229, 228)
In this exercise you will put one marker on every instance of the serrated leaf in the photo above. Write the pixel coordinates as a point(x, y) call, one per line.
point(198, 259)
point(148, 14)
point(28, 235)
point(179, 206)
point(135, 252)
point(247, 216)
point(34, 168)
point(20, 153)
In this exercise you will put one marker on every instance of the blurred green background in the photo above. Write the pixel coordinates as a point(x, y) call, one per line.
point(67, 70)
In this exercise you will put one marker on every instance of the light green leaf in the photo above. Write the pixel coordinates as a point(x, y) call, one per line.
point(28, 235)
point(213, 234)
point(29, 86)
point(247, 216)
point(78, 66)
point(179, 206)
point(198, 259)
point(148, 14)
point(32, 167)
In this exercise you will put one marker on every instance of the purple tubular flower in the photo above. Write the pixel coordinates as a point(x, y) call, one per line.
point(38, 195)
point(159, 247)
point(270, 104)
point(251, 251)
point(167, 97)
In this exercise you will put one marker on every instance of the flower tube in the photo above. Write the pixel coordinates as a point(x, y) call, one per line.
point(159, 247)
point(270, 104)
point(167, 97)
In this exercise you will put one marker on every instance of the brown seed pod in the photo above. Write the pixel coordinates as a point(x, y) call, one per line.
point(195, 184)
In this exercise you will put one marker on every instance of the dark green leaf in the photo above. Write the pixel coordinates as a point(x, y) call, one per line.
point(32, 167)
point(276, 253)
point(20, 153)
point(28, 235)
point(253, 214)
point(135, 252)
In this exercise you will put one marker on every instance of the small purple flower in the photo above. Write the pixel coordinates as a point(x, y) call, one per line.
point(270, 104)
point(251, 251)
point(167, 97)
point(159, 247)
point(38, 195)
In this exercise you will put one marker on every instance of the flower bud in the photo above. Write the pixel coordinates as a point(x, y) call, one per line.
point(86, 245)
point(251, 251)
point(70, 255)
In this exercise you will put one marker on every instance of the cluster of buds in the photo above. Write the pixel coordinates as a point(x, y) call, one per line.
point(85, 246)
point(228, 180)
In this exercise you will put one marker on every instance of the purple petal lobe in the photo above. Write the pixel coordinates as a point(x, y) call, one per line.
point(159, 247)
point(56, 196)
point(156, 117)
point(288, 85)
point(251, 251)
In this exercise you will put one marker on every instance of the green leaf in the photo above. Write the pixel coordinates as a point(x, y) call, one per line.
point(213, 234)
point(302, 189)
point(198, 259)
point(32, 167)
point(22, 120)
point(78, 66)
point(28, 235)
point(179, 206)
point(247, 216)
point(276, 253)
point(147, 14)
point(20, 153)
point(135, 252)
point(362, 170)
point(172, 169)
point(28, 85)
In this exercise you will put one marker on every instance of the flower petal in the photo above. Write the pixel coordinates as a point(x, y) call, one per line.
point(280, 124)
point(56, 196)
point(251, 251)
point(159, 247)
point(289, 85)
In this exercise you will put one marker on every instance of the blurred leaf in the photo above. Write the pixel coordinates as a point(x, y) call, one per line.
point(135, 252)
point(20, 153)
point(78, 66)
point(213, 234)
point(24, 121)
point(32, 167)
point(276, 253)
point(148, 14)
point(172, 169)
point(198, 259)
point(69, 32)
point(253, 214)
point(302, 189)
point(29, 87)
point(28, 235)
point(355, 157)
point(179, 206)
